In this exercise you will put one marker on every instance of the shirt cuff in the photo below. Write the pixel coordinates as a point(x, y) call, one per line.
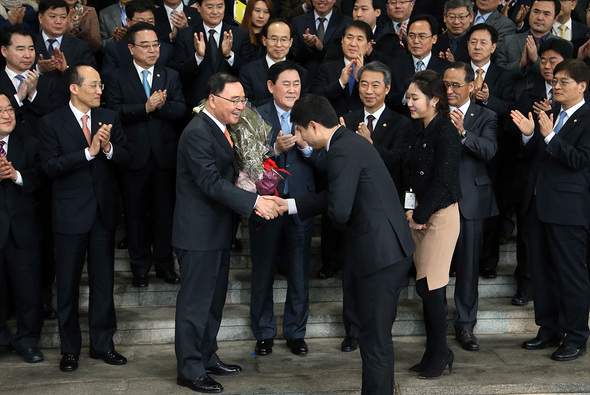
point(34, 96)
point(19, 179)
point(20, 103)
point(341, 84)
point(256, 202)
point(87, 153)
point(231, 59)
point(549, 137)
point(306, 152)
point(526, 139)
point(292, 206)
point(304, 8)
point(198, 59)
point(109, 154)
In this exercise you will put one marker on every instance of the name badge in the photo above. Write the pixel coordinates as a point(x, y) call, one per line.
point(410, 200)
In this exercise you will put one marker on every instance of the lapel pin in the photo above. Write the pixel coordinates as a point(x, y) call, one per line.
point(100, 124)
point(471, 114)
point(158, 75)
point(384, 125)
point(575, 120)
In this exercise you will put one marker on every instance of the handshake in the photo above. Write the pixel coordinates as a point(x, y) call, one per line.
point(270, 207)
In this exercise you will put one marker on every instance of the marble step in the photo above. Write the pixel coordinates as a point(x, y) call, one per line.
point(155, 324)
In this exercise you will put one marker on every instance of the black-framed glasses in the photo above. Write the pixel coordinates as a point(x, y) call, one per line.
point(235, 102)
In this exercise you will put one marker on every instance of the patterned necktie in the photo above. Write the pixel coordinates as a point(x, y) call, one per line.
point(562, 30)
point(370, 119)
point(559, 122)
point(419, 66)
point(321, 30)
point(228, 137)
point(479, 78)
point(2, 152)
point(351, 81)
point(145, 82)
point(50, 49)
point(20, 79)
point(550, 94)
point(212, 46)
point(85, 129)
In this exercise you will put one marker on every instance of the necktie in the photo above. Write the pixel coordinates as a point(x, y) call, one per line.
point(370, 119)
point(537, 41)
point(123, 16)
point(321, 30)
point(146, 84)
point(20, 79)
point(479, 20)
point(228, 137)
point(2, 152)
point(212, 46)
point(396, 26)
point(351, 81)
point(419, 65)
point(85, 128)
point(562, 30)
point(285, 123)
point(453, 44)
point(550, 94)
point(559, 122)
point(50, 49)
point(479, 78)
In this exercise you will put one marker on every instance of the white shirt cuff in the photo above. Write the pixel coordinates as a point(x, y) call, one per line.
point(19, 179)
point(109, 154)
point(526, 139)
point(306, 152)
point(292, 206)
point(549, 137)
point(87, 153)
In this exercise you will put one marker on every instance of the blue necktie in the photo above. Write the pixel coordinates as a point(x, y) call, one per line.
point(419, 66)
point(20, 79)
point(286, 128)
point(479, 20)
point(559, 122)
point(146, 84)
point(351, 81)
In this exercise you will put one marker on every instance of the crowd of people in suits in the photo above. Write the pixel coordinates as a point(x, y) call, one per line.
point(475, 110)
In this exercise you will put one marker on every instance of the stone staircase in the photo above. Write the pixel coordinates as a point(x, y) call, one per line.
point(146, 316)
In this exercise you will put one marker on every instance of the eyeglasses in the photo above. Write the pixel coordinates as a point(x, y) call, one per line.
point(275, 40)
point(95, 86)
point(148, 46)
point(454, 85)
point(7, 110)
point(563, 82)
point(453, 17)
point(420, 37)
point(235, 102)
point(151, 21)
point(399, 2)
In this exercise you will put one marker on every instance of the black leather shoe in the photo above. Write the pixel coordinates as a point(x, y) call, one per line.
point(123, 245)
point(489, 273)
point(264, 347)
point(521, 299)
point(325, 273)
point(31, 355)
point(567, 353)
point(297, 346)
point(49, 312)
point(467, 340)
point(169, 276)
point(140, 280)
point(202, 383)
point(111, 357)
point(69, 362)
point(349, 344)
point(5, 351)
point(221, 369)
point(538, 343)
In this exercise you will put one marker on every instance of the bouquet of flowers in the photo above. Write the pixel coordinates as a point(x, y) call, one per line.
point(251, 137)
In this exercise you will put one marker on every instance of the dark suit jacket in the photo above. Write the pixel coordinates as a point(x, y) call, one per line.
point(442, 44)
point(579, 30)
point(501, 85)
point(390, 138)
point(116, 54)
point(81, 187)
point(163, 29)
point(327, 84)
point(527, 98)
point(74, 49)
point(363, 202)
point(194, 77)
point(151, 133)
point(48, 99)
point(19, 205)
point(479, 147)
point(207, 201)
point(560, 172)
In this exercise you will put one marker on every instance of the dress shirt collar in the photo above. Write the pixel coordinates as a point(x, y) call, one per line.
point(397, 25)
point(548, 88)
point(270, 62)
point(464, 108)
point(140, 69)
point(46, 37)
point(280, 113)
point(221, 126)
point(485, 68)
point(217, 32)
point(556, 25)
point(326, 22)
point(11, 74)
point(169, 10)
point(376, 114)
point(79, 114)
point(572, 110)
point(484, 16)
point(426, 60)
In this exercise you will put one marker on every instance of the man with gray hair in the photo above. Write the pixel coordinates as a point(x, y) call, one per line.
point(452, 45)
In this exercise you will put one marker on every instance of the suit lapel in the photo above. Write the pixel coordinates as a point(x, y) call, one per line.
point(5, 84)
point(573, 121)
point(72, 126)
point(219, 136)
point(135, 82)
point(334, 22)
point(158, 80)
point(15, 148)
point(381, 125)
point(471, 116)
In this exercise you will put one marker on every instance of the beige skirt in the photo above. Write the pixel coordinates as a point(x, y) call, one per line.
point(435, 246)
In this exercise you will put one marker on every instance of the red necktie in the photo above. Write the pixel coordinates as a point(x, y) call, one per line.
point(2, 152)
point(85, 129)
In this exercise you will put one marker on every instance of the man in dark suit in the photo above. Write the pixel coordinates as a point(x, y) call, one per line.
point(478, 128)
point(398, 14)
point(20, 237)
point(148, 100)
point(208, 48)
point(82, 148)
point(487, 12)
point(557, 207)
point(452, 45)
point(567, 28)
point(388, 131)
point(378, 256)
point(205, 220)
point(283, 239)
point(337, 80)
point(116, 53)
point(172, 16)
point(313, 33)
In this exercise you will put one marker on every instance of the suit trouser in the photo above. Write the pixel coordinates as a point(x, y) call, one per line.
point(286, 239)
point(21, 266)
point(349, 304)
point(70, 250)
point(561, 287)
point(466, 261)
point(148, 200)
point(199, 306)
point(377, 295)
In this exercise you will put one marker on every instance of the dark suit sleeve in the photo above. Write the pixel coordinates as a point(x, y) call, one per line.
point(121, 155)
point(326, 85)
point(344, 176)
point(175, 107)
point(109, 60)
point(117, 86)
point(246, 80)
point(483, 145)
point(395, 152)
point(184, 55)
point(575, 157)
point(54, 162)
point(32, 176)
point(310, 206)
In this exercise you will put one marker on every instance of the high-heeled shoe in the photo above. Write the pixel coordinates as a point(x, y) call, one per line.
point(436, 369)
point(420, 366)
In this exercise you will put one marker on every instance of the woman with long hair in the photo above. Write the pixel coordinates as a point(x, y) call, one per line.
point(431, 169)
point(256, 16)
